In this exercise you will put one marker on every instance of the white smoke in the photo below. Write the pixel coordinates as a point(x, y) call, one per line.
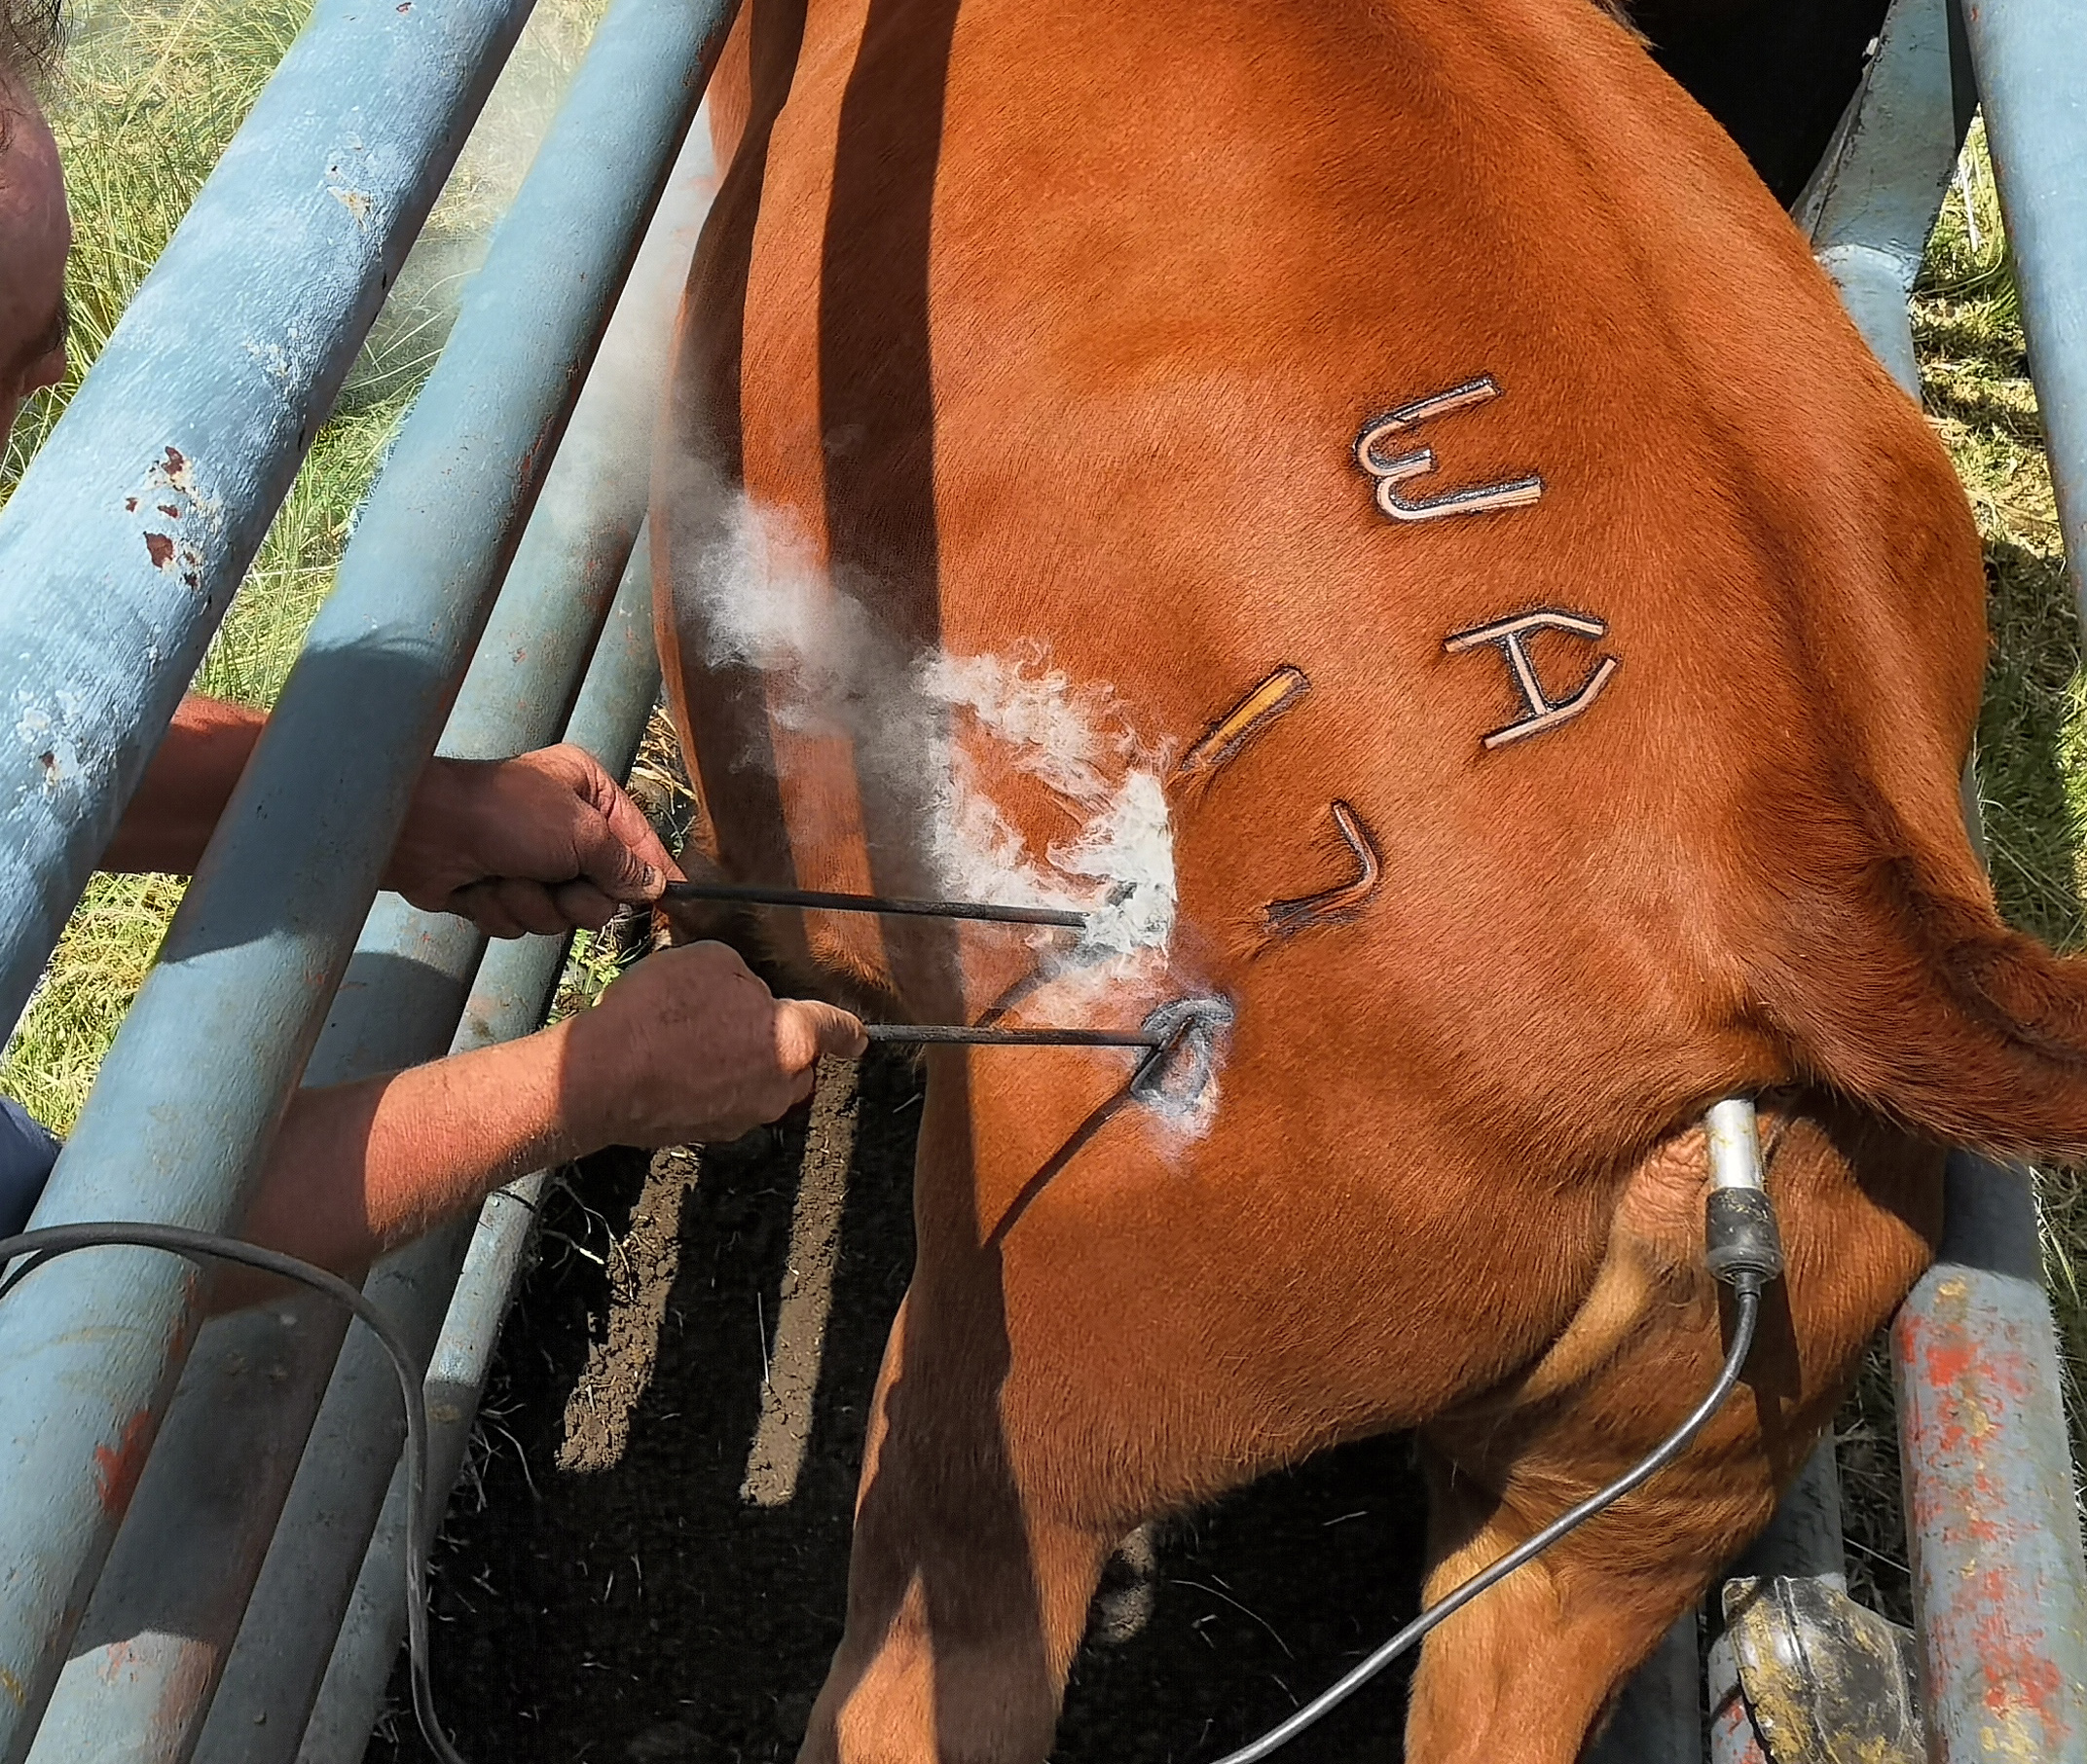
point(832, 669)
point(1078, 742)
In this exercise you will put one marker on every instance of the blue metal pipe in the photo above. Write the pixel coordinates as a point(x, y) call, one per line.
point(599, 488)
point(127, 536)
point(2031, 60)
point(1868, 212)
point(608, 721)
point(1991, 1518)
point(1658, 1718)
point(171, 1595)
point(1991, 1515)
point(1994, 1529)
point(1873, 201)
point(222, 1028)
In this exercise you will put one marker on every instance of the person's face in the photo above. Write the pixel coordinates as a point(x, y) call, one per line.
point(35, 233)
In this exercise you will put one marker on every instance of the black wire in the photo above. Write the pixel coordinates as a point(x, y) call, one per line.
point(879, 904)
point(1748, 1304)
point(42, 1246)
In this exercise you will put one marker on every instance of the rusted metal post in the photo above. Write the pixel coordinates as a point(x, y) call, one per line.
point(1991, 1515)
point(1993, 1519)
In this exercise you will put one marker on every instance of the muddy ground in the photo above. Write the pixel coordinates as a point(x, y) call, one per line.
point(640, 1569)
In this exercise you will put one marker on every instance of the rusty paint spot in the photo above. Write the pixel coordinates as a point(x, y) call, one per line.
point(176, 464)
point(130, 505)
point(13, 1686)
point(356, 204)
point(116, 1472)
point(170, 511)
point(161, 549)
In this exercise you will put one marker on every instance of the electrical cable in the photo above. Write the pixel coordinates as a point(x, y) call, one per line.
point(43, 1245)
point(1744, 1253)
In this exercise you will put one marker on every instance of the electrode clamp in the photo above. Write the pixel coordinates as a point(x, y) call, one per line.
point(1741, 1245)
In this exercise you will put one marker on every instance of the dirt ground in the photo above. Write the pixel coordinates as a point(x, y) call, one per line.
point(647, 1561)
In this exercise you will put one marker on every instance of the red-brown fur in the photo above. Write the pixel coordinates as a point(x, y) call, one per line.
point(1056, 323)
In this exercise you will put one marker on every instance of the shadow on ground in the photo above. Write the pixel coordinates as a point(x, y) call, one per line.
point(637, 1606)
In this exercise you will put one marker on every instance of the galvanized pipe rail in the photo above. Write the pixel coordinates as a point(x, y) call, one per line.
point(89, 1347)
point(170, 1600)
point(607, 722)
point(203, 402)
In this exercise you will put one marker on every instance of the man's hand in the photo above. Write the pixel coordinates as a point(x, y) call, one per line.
point(546, 842)
point(689, 1047)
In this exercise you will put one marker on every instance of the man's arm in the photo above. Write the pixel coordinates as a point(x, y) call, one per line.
point(544, 842)
point(688, 1046)
point(185, 787)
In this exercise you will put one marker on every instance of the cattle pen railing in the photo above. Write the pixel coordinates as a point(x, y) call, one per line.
point(200, 1529)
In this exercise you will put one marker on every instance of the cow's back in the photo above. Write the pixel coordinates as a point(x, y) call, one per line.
point(1060, 323)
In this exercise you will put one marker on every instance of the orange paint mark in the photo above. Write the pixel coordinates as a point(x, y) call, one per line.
point(116, 1472)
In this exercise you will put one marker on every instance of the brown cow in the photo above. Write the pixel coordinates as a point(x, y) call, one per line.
point(1044, 514)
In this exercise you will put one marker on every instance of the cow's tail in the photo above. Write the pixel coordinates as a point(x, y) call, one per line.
point(1909, 993)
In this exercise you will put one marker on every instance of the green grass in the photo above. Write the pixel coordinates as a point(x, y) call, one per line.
point(152, 91)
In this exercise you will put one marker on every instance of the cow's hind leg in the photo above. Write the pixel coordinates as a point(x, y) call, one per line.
point(965, 1603)
point(968, 1585)
point(1527, 1671)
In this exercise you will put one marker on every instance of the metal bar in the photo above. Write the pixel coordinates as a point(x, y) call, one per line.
point(134, 524)
point(2030, 61)
point(1873, 201)
point(938, 1034)
point(1991, 1518)
point(171, 1596)
point(1993, 1523)
point(1658, 1718)
point(818, 901)
point(608, 721)
point(604, 475)
point(90, 1346)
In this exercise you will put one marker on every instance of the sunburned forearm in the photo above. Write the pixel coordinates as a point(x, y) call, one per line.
point(687, 1048)
point(358, 1168)
point(185, 787)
